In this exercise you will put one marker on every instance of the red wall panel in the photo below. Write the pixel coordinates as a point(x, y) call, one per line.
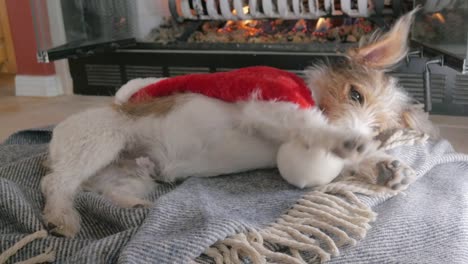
point(22, 30)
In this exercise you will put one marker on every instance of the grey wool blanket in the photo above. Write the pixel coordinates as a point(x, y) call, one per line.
point(252, 217)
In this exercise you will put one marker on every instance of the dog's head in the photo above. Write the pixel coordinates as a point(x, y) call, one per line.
point(359, 94)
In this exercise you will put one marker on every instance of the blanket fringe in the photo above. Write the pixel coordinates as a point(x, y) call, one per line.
point(318, 224)
point(404, 137)
point(47, 256)
point(356, 187)
point(314, 228)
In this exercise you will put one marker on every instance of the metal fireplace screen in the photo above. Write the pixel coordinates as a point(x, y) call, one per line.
point(261, 9)
point(325, 26)
point(96, 26)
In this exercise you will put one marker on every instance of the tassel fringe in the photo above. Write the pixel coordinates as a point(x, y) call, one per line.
point(314, 229)
point(47, 256)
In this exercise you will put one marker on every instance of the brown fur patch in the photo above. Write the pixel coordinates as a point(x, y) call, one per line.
point(383, 51)
point(150, 106)
point(414, 117)
point(333, 87)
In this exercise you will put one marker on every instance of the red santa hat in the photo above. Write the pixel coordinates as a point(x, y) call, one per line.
point(259, 82)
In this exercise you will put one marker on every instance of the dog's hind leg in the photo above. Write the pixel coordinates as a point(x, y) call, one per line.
point(77, 152)
point(60, 186)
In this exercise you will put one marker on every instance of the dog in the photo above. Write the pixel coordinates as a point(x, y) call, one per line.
point(171, 138)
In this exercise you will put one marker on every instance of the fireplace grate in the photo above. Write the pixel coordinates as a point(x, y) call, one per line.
point(413, 84)
point(137, 71)
point(460, 92)
point(103, 75)
point(109, 76)
point(291, 9)
point(176, 71)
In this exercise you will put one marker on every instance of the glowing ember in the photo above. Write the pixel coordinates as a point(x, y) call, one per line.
point(364, 25)
point(283, 31)
point(322, 26)
point(300, 26)
point(245, 27)
point(439, 17)
point(245, 10)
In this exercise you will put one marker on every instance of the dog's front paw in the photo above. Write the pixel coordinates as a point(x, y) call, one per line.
point(350, 145)
point(64, 222)
point(394, 174)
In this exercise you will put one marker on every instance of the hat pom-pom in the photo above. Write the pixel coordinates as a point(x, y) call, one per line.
point(307, 167)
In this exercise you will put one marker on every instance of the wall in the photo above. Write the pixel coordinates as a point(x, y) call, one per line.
point(7, 50)
point(22, 29)
point(40, 79)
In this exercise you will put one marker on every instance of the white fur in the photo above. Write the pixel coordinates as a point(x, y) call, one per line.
point(200, 137)
point(307, 167)
point(131, 87)
point(126, 183)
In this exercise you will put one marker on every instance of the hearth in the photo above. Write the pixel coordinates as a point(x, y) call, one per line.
point(108, 42)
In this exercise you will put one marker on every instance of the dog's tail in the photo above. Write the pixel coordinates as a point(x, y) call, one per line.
point(130, 88)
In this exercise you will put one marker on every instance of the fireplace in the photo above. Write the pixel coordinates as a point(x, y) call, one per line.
point(108, 42)
point(267, 26)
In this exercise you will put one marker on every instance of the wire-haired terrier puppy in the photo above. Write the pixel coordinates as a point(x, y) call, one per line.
point(118, 150)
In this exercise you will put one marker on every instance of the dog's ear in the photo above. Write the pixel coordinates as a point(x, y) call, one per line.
point(414, 117)
point(384, 51)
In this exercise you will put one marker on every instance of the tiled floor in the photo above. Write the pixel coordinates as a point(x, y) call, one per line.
point(25, 112)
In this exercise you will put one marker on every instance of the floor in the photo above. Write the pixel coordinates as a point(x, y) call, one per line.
point(26, 112)
point(7, 84)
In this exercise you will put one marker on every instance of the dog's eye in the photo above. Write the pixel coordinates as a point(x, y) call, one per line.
point(355, 95)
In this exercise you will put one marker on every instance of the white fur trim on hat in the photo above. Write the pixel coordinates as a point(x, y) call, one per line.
point(131, 87)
